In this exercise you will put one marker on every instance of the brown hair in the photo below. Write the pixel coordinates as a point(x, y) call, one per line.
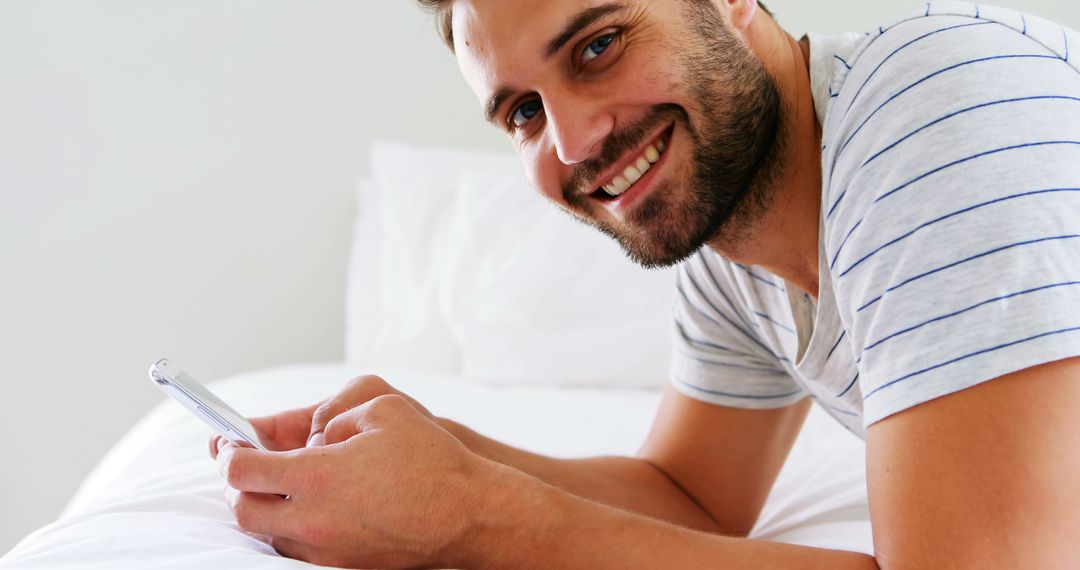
point(444, 17)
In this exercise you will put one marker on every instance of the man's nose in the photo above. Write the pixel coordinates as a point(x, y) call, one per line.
point(578, 129)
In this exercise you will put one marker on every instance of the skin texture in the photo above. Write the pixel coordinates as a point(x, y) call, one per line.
point(988, 477)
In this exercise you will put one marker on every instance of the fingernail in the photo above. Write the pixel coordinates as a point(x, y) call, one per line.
point(317, 439)
point(221, 443)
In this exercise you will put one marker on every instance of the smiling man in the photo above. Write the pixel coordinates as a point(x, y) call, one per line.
point(886, 224)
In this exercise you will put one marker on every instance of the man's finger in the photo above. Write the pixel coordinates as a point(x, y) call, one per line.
point(214, 445)
point(359, 391)
point(379, 412)
point(286, 430)
point(260, 513)
point(256, 471)
point(340, 428)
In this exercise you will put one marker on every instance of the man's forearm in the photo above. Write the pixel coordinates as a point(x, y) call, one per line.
point(626, 483)
point(527, 524)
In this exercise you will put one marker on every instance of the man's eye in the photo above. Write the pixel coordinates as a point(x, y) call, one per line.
point(597, 47)
point(525, 112)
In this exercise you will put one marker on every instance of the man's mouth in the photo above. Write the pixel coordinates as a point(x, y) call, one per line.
point(635, 171)
point(635, 168)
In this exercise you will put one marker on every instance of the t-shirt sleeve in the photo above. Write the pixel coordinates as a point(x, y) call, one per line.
point(953, 216)
point(717, 357)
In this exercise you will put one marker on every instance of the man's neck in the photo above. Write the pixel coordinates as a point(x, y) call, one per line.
point(784, 239)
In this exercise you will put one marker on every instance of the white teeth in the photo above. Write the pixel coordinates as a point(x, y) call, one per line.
point(652, 155)
point(635, 171)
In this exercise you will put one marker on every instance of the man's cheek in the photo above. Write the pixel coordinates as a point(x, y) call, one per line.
point(546, 181)
point(554, 193)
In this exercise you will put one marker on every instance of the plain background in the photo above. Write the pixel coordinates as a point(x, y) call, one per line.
point(176, 179)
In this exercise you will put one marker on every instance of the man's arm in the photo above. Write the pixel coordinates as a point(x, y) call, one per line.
point(703, 466)
point(985, 478)
point(988, 477)
point(536, 526)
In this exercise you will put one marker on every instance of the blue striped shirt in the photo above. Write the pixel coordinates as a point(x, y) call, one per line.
point(950, 231)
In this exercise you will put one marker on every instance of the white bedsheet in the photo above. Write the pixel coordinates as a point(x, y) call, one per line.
point(155, 501)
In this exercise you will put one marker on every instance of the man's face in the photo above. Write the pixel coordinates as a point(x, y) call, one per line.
point(648, 119)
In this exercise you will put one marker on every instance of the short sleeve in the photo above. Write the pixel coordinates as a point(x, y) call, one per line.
point(953, 213)
point(717, 356)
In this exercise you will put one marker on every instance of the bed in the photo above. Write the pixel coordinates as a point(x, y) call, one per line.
point(490, 307)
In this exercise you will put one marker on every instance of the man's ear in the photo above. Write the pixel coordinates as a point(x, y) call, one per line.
point(740, 12)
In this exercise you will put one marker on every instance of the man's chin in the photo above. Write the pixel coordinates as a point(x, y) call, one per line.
point(656, 250)
point(654, 259)
point(651, 239)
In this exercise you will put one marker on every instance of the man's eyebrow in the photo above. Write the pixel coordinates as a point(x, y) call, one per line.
point(496, 101)
point(578, 22)
point(574, 25)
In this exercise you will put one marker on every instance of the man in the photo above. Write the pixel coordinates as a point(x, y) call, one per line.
point(891, 227)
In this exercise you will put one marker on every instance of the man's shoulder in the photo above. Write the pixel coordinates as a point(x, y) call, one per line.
point(944, 48)
point(960, 92)
point(937, 29)
point(952, 131)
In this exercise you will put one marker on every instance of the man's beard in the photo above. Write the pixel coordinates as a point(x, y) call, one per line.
point(735, 152)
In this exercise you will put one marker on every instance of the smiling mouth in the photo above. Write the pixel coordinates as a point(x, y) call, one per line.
point(635, 169)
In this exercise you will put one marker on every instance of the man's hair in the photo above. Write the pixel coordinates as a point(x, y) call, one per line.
point(444, 17)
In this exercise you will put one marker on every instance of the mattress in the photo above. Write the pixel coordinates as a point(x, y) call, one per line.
point(155, 500)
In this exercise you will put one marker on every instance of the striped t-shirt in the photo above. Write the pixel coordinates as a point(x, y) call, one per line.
point(950, 227)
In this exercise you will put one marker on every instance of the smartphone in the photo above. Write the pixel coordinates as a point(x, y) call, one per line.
point(204, 404)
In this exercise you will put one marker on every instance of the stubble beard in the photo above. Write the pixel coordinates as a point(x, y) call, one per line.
point(736, 153)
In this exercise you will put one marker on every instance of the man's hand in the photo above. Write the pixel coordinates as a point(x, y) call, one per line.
point(358, 391)
point(293, 429)
point(676, 477)
point(390, 488)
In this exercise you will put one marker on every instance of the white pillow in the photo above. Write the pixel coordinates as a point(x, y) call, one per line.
point(363, 303)
point(533, 296)
point(393, 318)
point(459, 267)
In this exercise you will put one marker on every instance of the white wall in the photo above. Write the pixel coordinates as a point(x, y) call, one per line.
point(176, 178)
point(833, 16)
